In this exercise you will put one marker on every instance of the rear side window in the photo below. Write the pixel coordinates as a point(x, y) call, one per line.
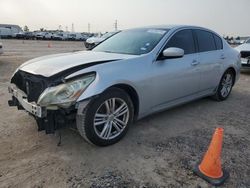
point(205, 40)
point(184, 40)
point(218, 42)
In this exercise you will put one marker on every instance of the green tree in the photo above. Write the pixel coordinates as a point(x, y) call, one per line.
point(25, 28)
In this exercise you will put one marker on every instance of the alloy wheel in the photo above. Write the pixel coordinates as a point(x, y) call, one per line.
point(227, 83)
point(111, 118)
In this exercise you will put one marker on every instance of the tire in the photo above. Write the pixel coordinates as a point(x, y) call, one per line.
point(101, 125)
point(225, 87)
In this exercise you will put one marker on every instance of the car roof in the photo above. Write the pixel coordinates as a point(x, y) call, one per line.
point(175, 27)
point(169, 27)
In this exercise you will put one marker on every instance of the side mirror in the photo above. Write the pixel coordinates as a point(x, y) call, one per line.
point(173, 53)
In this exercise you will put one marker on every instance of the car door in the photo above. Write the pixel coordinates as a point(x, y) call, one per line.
point(211, 59)
point(176, 78)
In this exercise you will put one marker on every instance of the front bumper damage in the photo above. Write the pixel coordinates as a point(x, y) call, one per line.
point(48, 119)
point(19, 99)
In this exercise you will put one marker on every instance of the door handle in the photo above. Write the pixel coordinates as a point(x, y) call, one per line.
point(195, 62)
point(222, 56)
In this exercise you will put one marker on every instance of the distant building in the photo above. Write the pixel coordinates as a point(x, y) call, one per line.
point(8, 30)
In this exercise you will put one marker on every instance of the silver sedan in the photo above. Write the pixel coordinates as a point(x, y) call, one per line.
point(130, 75)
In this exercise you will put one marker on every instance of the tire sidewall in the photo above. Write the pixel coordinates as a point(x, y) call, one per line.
point(93, 107)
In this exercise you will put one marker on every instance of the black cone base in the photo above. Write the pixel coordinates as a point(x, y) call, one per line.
point(213, 181)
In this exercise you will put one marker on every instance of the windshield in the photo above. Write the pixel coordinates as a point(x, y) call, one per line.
point(248, 41)
point(135, 42)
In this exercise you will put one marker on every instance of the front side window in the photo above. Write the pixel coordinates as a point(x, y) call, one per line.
point(184, 40)
point(205, 40)
point(135, 42)
point(248, 41)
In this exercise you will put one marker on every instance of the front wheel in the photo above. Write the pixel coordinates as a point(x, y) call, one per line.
point(225, 87)
point(106, 119)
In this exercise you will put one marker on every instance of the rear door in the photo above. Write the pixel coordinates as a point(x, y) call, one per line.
point(210, 58)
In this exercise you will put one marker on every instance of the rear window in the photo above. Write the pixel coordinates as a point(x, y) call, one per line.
point(218, 42)
point(205, 40)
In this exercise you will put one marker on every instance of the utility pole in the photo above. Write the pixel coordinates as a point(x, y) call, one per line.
point(88, 27)
point(72, 28)
point(116, 25)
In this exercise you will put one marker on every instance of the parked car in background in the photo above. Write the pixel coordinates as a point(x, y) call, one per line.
point(40, 35)
point(130, 75)
point(6, 32)
point(1, 48)
point(93, 41)
point(60, 36)
point(44, 35)
point(76, 36)
point(24, 35)
point(244, 50)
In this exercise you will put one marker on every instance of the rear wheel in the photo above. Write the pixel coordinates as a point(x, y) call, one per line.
point(106, 119)
point(225, 86)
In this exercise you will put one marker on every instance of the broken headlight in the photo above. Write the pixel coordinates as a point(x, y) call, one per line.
point(64, 95)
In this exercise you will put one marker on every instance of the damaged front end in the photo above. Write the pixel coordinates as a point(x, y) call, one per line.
point(51, 101)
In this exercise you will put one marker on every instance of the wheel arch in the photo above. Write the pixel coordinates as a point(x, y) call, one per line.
point(133, 95)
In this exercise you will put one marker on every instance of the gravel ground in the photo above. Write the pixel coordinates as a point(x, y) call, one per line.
point(158, 151)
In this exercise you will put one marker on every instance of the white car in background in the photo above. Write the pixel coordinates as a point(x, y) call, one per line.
point(1, 48)
point(60, 36)
point(244, 50)
point(92, 41)
point(44, 35)
point(76, 36)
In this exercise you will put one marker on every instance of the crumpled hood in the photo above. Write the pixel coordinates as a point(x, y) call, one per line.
point(243, 47)
point(53, 64)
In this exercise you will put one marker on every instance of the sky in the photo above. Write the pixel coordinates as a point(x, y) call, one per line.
point(227, 17)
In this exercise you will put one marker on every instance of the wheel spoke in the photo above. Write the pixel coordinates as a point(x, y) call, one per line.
point(119, 122)
point(228, 89)
point(110, 105)
point(121, 111)
point(100, 115)
point(111, 118)
point(105, 129)
point(224, 91)
point(120, 108)
point(100, 122)
point(100, 119)
point(107, 107)
point(228, 78)
point(116, 126)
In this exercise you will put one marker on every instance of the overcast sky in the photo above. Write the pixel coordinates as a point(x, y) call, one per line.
point(230, 17)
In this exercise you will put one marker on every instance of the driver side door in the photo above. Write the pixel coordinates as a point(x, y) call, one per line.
point(176, 79)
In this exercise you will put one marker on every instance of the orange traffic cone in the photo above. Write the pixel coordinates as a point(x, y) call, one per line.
point(210, 167)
